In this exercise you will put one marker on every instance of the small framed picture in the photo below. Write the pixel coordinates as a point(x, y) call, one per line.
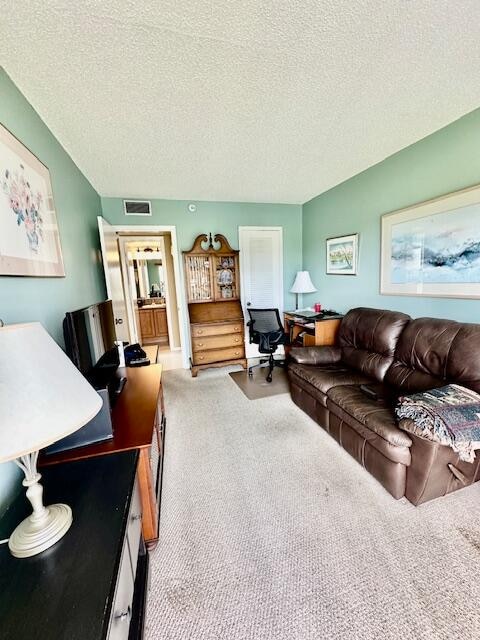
point(342, 255)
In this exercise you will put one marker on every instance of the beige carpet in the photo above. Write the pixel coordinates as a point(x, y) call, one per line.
point(269, 530)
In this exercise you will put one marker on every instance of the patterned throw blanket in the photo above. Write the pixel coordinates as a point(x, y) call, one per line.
point(449, 415)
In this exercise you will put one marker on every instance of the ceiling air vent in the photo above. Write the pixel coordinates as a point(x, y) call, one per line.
point(137, 207)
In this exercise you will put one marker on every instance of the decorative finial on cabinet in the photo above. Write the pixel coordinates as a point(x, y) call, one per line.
point(210, 246)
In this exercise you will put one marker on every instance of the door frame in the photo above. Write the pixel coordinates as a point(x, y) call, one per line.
point(241, 229)
point(123, 240)
point(145, 230)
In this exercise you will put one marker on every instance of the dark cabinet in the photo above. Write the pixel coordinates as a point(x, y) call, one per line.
point(92, 584)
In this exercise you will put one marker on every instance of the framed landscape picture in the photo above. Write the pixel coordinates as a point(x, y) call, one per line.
point(29, 238)
point(342, 255)
point(433, 248)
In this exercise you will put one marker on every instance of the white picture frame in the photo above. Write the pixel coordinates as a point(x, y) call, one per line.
point(433, 248)
point(342, 255)
point(29, 236)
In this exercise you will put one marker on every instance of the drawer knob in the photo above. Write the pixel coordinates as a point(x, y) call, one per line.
point(137, 516)
point(236, 328)
point(123, 617)
point(199, 344)
point(237, 353)
point(201, 357)
point(199, 332)
point(237, 339)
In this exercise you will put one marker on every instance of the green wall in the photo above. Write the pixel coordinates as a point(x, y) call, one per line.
point(446, 161)
point(152, 272)
point(225, 218)
point(77, 205)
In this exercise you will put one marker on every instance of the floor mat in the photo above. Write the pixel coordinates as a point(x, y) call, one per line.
point(257, 387)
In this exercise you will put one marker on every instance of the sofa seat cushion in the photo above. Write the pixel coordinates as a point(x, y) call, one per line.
point(325, 377)
point(372, 419)
point(307, 387)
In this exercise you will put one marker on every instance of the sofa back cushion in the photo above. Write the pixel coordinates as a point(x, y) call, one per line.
point(463, 366)
point(368, 338)
point(433, 352)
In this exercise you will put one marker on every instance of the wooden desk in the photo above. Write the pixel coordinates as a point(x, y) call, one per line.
point(139, 422)
point(324, 333)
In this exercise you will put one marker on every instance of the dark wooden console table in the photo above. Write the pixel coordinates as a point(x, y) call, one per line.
point(83, 587)
point(139, 422)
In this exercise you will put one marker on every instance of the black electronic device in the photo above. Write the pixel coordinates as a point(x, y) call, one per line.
point(98, 429)
point(369, 391)
point(139, 362)
point(90, 343)
point(135, 356)
point(329, 312)
point(307, 315)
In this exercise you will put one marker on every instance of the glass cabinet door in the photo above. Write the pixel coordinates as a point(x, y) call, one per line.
point(198, 277)
point(226, 277)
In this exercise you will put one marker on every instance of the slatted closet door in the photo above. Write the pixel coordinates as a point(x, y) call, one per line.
point(261, 264)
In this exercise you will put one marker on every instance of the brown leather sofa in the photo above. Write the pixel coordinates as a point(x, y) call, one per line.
point(392, 355)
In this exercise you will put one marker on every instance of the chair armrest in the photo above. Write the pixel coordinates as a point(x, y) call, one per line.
point(316, 355)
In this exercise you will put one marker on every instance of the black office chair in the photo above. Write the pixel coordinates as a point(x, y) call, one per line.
point(266, 330)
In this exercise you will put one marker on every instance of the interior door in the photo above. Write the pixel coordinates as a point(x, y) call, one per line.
point(261, 270)
point(113, 277)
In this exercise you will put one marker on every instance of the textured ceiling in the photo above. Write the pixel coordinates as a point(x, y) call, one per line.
point(272, 101)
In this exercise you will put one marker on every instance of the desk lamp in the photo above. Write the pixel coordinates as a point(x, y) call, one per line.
point(302, 284)
point(43, 398)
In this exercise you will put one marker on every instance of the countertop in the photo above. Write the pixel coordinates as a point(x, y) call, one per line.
point(152, 306)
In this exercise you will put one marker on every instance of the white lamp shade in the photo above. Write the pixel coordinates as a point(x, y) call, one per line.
point(43, 397)
point(303, 283)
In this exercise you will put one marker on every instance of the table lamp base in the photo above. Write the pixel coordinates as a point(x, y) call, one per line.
point(46, 525)
point(29, 538)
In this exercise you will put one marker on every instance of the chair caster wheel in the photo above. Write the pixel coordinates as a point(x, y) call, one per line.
point(250, 373)
point(269, 378)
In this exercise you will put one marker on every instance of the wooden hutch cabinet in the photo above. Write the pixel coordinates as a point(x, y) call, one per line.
point(212, 277)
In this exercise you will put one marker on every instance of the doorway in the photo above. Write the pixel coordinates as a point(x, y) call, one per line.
point(143, 282)
point(261, 269)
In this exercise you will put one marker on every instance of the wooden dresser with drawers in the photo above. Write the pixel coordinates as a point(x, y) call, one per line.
point(213, 291)
point(217, 332)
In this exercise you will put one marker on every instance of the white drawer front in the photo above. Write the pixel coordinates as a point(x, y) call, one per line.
point(122, 604)
point(134, 527)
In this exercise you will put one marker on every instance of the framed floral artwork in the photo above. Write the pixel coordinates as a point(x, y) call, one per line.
point(342, 255)
point(433, 248)
point(29, 238)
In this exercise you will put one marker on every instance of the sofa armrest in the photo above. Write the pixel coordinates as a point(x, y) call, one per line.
point(316, 355)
